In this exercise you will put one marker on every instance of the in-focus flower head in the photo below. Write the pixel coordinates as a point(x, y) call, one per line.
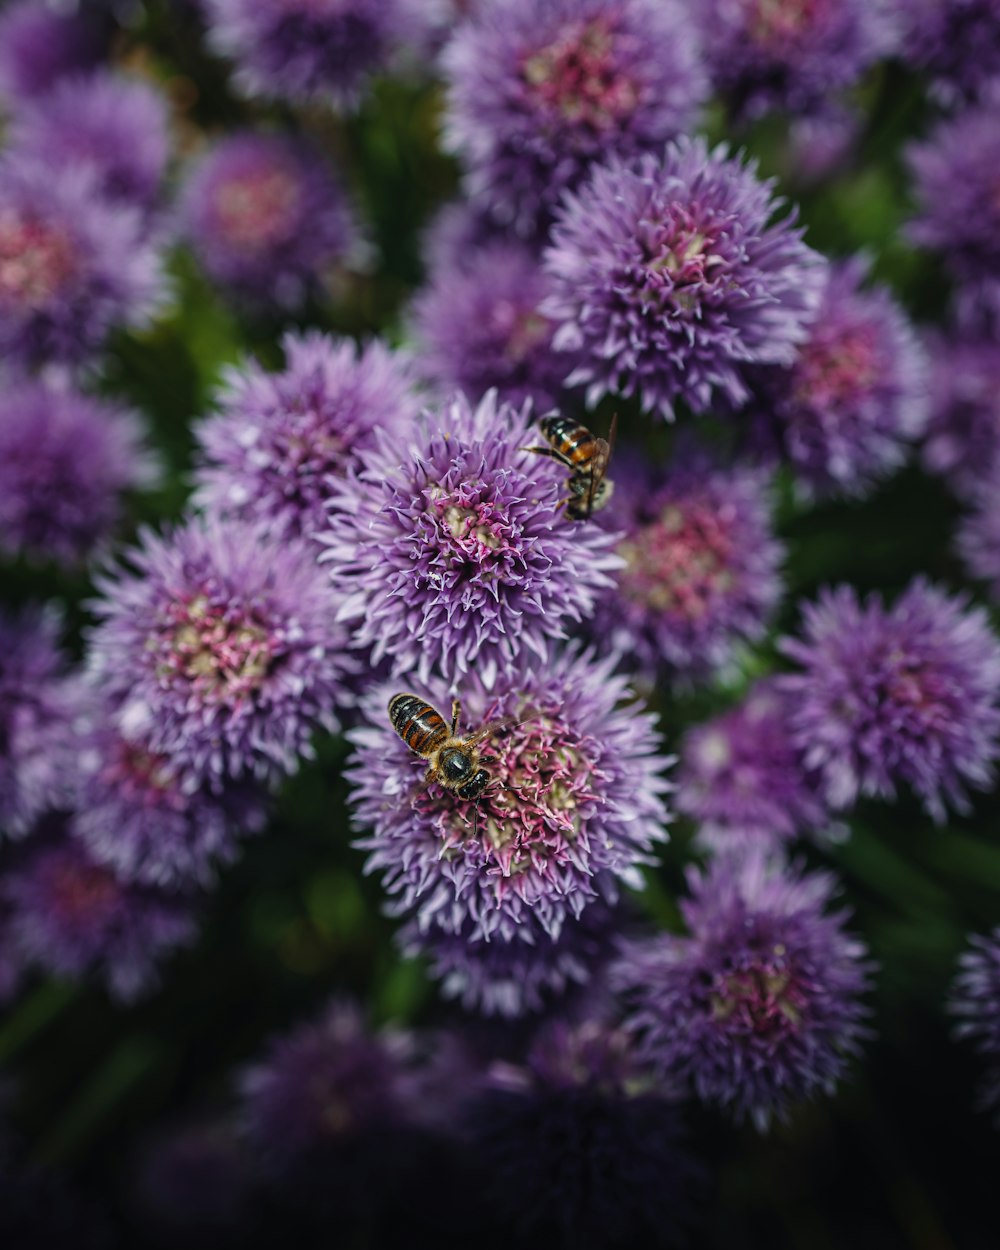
point(302, 50)
point(113, 126)
point(217, 645)
point(71, 917)
point(842, 415)
point(758, 1008)
point(265, 217)
point(451, 554)
point(40, 699)
point(978, 538)
point(975, 1001)
point(895, 696)
point(65, 461)
point(268, 455)
point(73, 266)
point(956, 41)
point(742, 779)
point(539, 91)
point(701, 575)
point(963, 434)
point(574, 804)
point(670, 277)
point(40, 46)
point(478, 327)
point(792, 54)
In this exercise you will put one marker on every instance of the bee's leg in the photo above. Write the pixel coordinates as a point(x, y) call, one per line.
point(549, 451)
point(428, 776)
point(456, 712)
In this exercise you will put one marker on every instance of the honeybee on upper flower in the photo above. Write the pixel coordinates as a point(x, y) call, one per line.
point(585, 456)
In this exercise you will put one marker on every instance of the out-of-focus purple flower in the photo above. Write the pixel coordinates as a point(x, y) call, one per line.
point(265, 217)
point(701, 575)
point(478, 326)
point(72, 265)
point(218, 647)
point(324, 1081)
point(452, 555)
point(956, 41)
point(742, 779)
point(510, 978)
point(72, 917)
point(40, 699)
point(113, 126)
point(844, 412)
point(541, 89)
point(958, 208)
point(759, 1006)
point(456, 235)
point(669, 280)
point(978, 538)
point(587, 1141)
point(904, 695)
point(793, 55)
point(821, 145)
point(302, 50)
point(65, 461)
point(278, 438)
point(574, 804)
point(975, 1000)
point(963, 434)
point(40, 46)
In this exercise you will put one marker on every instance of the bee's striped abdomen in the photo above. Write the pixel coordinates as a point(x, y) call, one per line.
point(573, 442)
point(420, 726)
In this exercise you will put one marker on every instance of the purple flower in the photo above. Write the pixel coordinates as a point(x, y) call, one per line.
point(822, 145)
point(65, 461)
point(793, 55)
point(268, 455)
point(218, 646)
point(452, 554)
point(542, 89)
point(573, 806)
point(670, 281)
point(113, 126)
point(954, 172)
point(71, 917)
point(265, 217)
point(303, 50)
point(900, 695)
point(844, 412)
point(478, 326)
point(73, 266)
point(456, 235)
point(742, 779)
point(701, 575)
point(957, 41)
point(39, 47)
point(40, 699)
point(975, 1000)
point(963, 435)
point(758, 1007)
point(526, 973)
point(193, 1184)
point(978, 537)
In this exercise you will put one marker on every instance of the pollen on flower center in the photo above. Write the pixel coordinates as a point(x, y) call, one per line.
point(773, 21)
point(81, 890)
point(255, 209)
point(577, 76)
point(475, 525)
point(680, 562)
point(831, 373)
point(222, 651)
point(763, 997)
point(35, 260)
point(145, 774)
point(678, 249)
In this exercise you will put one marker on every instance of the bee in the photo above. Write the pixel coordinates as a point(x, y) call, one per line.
point(452, 761)
point(586, 456)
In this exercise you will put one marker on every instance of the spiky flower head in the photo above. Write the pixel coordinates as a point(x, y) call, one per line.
point(670, 277)
point(759, 1006)
point(305, 50)
point(40, 700)
point(538, 92)
point(978, 537)
point(963, 434)
point(975, 1001)
point(451, 552)
point(958, 208)
point(40, 46)
point(218, 647)
point(956, 41)
point(792, 54)
point(72, 918)
point(73, 266)
point(843, 414)
point(743, 780)
point(265, 217)
point(478, 326)
point(66, 459)
point(701, 576)
point(895, 696)
point(269, 453)
point(573, 806)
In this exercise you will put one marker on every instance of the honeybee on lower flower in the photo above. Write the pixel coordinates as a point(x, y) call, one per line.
point(586, 456)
